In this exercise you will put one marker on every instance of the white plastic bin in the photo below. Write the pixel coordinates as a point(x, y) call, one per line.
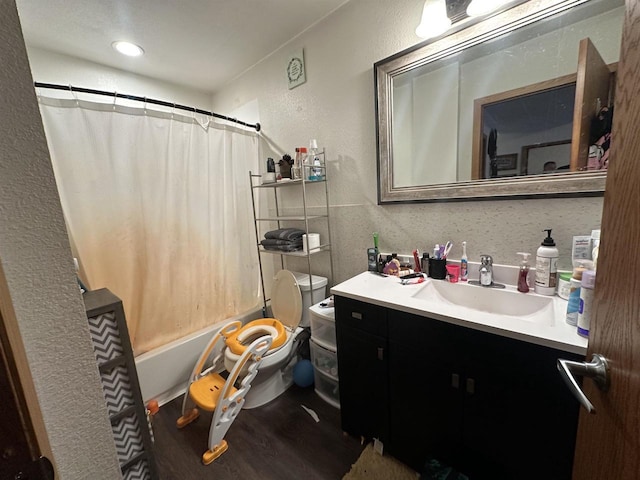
point(311, 294)
point(326, 388)
point(324, 359)
point(323, 325)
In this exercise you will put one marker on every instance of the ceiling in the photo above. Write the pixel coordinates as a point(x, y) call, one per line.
point(202, 44)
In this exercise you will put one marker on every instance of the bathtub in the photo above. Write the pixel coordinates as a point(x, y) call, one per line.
point(163, 372)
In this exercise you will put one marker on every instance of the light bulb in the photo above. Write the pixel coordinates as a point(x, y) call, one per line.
point(478, 8)
point(434, 19)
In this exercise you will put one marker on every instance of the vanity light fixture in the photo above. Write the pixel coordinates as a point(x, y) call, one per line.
point(128, 48)
point(478, 8)
point(434, 19)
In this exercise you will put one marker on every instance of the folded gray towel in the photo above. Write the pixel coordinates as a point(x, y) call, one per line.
point(283, 248)
point(285, 234)
point(273, 242)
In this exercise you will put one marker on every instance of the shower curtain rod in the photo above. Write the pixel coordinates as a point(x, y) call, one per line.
point(54, 86)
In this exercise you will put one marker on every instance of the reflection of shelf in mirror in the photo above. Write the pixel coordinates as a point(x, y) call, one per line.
point(289, 218)
point(297, 253)
point(286, 183)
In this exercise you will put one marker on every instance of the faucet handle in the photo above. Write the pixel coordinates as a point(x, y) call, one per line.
point(488, 259)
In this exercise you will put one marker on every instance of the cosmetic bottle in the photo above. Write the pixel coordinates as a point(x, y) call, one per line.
point(586, 300)
point(464, 264)
point(564, 285)
point(391, 267)
point(416, 258)
point(314, 164)
point(424, 263)
point(573, 302)
point(296, 169)
point(595, 242)
point(372, 255)
point(523, 286)
point(547, 266)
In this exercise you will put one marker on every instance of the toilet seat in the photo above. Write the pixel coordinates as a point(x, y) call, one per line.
point(286, 304)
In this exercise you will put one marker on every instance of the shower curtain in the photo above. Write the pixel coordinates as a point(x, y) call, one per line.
point(158, 210)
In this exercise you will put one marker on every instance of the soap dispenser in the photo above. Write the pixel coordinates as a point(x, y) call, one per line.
point(547, 266)
point(523, 286)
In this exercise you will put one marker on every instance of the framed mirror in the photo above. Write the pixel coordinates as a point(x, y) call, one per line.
point(437, 103)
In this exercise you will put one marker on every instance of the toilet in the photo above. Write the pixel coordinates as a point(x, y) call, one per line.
point(289, 306)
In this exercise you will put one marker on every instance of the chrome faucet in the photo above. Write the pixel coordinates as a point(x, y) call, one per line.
point(486, 274)
point(486, 270)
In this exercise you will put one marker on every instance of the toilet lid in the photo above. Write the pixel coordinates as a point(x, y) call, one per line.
point(286, 299)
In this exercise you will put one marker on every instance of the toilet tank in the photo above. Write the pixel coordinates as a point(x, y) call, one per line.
point(311, 294)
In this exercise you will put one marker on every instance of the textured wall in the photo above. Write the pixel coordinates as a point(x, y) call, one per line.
point(336, 106)
point(36, 258)
point(50, 67)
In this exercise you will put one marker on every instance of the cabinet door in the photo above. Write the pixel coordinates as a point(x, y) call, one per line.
point(520, 421)
point(362, 363)
point(425, 390)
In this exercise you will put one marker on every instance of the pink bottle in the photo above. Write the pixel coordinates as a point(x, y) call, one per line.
point(523, 285)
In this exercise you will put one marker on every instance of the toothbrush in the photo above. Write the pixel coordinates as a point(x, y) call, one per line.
point(447, 249)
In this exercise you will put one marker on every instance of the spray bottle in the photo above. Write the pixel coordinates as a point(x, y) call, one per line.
point(315, 166)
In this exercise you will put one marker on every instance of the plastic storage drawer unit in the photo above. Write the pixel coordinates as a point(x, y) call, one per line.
point(327, 388)
point(324, 359)
point(323, 325)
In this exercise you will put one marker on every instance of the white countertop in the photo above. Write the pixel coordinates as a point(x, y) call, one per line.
point(389, 292)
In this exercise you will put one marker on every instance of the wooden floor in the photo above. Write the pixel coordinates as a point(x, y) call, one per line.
point(278, 441)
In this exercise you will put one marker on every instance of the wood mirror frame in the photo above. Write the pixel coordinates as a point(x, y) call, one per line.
point(578, 183)
point(594, 85)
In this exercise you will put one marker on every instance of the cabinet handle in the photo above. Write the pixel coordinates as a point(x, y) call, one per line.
point(356, 315)
point(597, 368)
point(471, 386)
point(380, 353)
point(455, 380)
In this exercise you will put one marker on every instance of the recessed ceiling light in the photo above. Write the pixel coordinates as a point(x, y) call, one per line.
point(127, 48)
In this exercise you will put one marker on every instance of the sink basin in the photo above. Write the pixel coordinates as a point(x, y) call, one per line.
point(498, 302)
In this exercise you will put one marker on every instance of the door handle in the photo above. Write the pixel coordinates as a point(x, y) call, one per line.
point(597, 369)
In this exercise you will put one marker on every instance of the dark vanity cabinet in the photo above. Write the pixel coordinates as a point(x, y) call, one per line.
point(491, 406)
point(362, 348)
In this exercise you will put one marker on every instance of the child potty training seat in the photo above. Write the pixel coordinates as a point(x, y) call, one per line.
point(286, 305)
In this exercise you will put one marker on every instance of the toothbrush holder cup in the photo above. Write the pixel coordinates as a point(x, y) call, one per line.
point(454, 273)
point(438, 268)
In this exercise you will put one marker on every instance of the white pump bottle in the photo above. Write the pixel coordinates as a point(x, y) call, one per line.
point(547, 266)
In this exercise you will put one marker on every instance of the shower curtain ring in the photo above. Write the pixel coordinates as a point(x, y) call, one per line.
point(115, 97)
point(145, 105)
point(173, 110)
point(74, 96)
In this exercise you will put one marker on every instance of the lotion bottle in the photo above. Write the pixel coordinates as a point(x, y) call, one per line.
point(523, 286)
point(547, 266)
